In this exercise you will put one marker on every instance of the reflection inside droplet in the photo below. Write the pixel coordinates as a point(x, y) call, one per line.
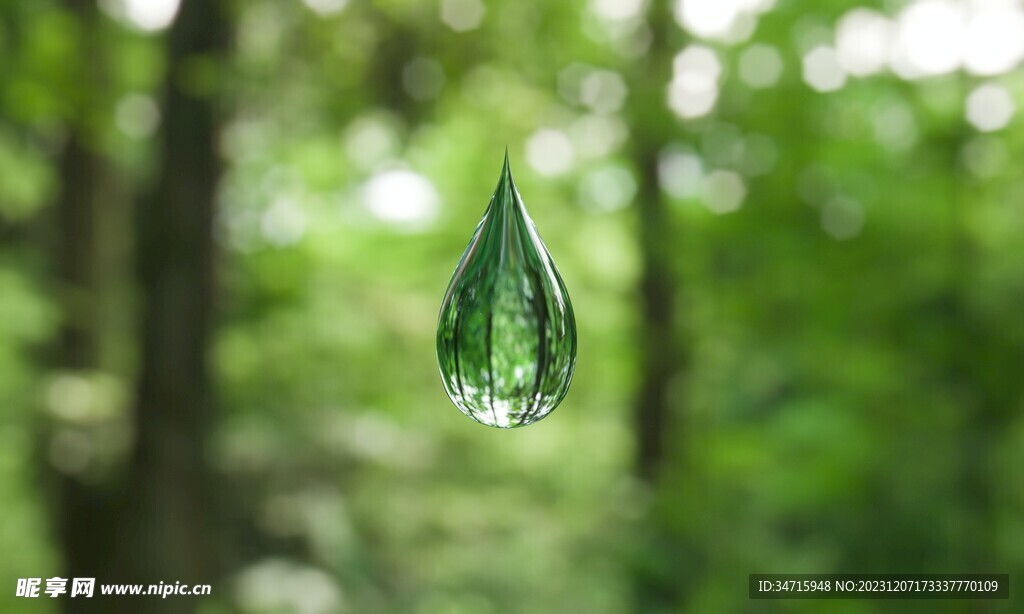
point(506, 336)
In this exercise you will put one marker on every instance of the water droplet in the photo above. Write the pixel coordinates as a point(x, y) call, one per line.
point(506, 336)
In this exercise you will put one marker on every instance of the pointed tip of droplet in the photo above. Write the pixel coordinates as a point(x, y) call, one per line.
point(505, 191)
point(506, 172)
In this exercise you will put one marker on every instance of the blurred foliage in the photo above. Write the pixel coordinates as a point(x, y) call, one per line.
point(850, 286)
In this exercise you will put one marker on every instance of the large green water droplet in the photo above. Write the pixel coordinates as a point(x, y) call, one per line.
point(506, 336)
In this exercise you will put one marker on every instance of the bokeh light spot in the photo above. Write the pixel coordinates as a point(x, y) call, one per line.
point(929, 39)
point(137, 115)
point(326, 7)
point(760, 66)
point(146, 15)
point(462, 15)
point(607, 188)
point(617, 10)
point(401, 197)
point(863, 38)
point(894, 125)
point(603, 91)
point(694, 86)
point(989, 107)
point(549, 152)
point(723, 191)
point(680, 172)
point(821, 70)
point(842, 218)
point(995, 41)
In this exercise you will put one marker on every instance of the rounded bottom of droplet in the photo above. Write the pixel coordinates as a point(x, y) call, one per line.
point(505, 414)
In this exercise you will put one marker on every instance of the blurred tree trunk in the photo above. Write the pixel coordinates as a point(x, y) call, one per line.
point(397, 45)
point(77, 206)
point(82, 513)
point(656, 586)
point(169, 520)
point(661, 360)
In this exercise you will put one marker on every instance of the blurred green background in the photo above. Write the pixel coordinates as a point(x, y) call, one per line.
point(791, 233)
